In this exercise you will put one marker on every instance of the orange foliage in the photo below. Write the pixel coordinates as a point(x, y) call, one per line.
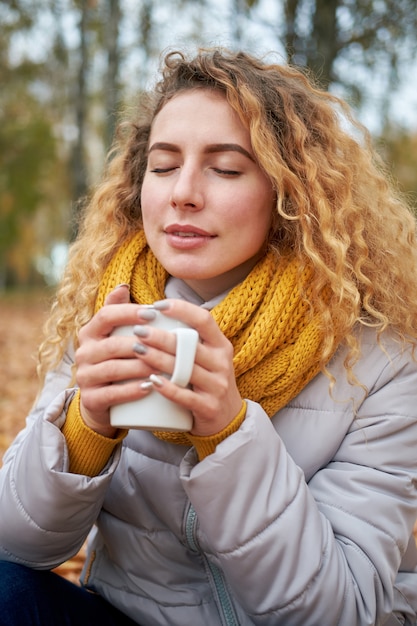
point(21, 321)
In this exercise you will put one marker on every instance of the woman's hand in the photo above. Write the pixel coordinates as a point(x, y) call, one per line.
point(104, 363)
point(213, 398)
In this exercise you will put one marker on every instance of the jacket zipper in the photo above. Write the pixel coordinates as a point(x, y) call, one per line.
point(229, 615)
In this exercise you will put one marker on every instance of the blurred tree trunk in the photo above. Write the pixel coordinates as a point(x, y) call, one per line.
point(239, 7)
point(368, 33)
point(111, 80)
point(79, 165)
point(290, 36)
point(318, 49)
point(324, 36)
point(145, 38)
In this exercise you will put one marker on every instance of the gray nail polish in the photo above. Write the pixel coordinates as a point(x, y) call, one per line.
point(161, 305)
point(141, 331)
point(147, 314)
point(139, 348)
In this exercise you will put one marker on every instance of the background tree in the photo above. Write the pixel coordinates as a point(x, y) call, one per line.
point(112, 88)
point(68, 66)
point(399, 148)
point(78, 157)
point(28, 149)
point(343, 42)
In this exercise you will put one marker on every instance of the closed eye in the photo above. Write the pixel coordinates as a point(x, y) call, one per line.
point(162, 170)
point(227, 172)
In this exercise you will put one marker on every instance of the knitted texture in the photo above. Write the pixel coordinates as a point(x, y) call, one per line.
point(205, 445)
point(88, 451)
point(275, 334)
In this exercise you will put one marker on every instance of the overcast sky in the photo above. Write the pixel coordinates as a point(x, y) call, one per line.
point(175, 29)
point(217, 29)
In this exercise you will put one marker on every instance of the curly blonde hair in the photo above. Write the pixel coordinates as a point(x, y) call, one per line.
point(336, 207)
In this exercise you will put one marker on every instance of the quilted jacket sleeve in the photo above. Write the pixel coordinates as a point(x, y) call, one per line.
point(327, 549)
point(46, 512)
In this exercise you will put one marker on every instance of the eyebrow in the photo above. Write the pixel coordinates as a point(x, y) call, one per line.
point(209, 149)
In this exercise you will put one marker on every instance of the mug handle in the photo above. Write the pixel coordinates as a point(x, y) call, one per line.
point(187, 340)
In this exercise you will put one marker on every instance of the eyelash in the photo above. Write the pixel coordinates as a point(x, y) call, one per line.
point(160, 170)
point(227, 172)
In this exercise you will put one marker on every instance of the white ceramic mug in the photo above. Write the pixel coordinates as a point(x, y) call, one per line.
point(154, 411)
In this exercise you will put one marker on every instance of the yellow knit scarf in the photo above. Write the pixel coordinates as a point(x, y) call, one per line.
point(275, 336)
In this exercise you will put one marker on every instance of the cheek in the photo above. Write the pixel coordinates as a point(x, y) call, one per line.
point(255, 210)
point(150, 202)
point(146, 204)
point(154, 195)
point(145, 193)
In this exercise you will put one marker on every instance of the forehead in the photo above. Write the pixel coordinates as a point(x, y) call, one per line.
point(199, 113)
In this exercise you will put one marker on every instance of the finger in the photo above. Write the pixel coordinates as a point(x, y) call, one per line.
point(163, 340)
point(119, 295)
point(157, 349)
point(216, 356)
point(194, 316)
point(123, 351)
point(118, 314)
point(112, 371)
point(93, 349)
point(98, 400)
point(211, 412)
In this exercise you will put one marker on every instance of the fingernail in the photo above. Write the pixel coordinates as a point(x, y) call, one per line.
point(146, 385)
point(156, 380)
point(139, 348)
point(122, 285)
point(161, 305)
point(141, 331)
point(147, 314)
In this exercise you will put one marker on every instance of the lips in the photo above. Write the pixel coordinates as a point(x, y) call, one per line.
point(186, 237)
point(186, 230)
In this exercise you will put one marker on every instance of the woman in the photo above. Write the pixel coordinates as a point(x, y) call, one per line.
point(238, 203)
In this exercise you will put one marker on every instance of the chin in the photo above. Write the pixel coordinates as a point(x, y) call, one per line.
point(188, 271)
point(191, 275)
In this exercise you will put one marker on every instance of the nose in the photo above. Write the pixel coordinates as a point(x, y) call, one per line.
point(187, 191)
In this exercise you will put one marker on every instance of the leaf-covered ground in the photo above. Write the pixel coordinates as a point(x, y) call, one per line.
point(21, 320)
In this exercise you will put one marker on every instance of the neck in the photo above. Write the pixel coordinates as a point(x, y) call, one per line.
point(210, 288)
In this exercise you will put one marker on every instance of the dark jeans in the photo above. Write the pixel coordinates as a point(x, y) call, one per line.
point(37, 598)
